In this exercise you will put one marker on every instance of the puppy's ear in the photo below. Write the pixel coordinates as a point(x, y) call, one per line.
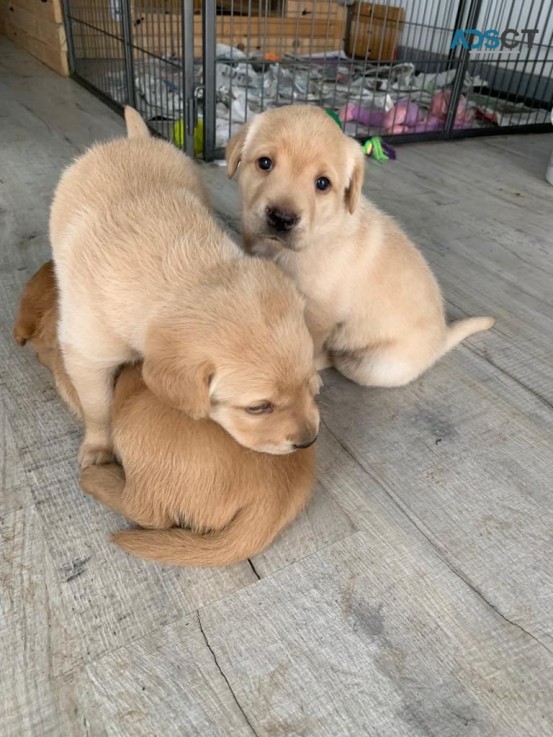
point(39, 296)
point(180, 382)
point(136, 127)
point(357, 173)
point(233, 151)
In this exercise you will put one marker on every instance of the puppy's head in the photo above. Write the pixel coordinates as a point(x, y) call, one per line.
point(241, 354)
point(299, 175)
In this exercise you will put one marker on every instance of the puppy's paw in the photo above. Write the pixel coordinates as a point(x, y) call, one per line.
point(94, 455)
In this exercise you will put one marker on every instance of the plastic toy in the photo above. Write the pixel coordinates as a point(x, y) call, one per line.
point(375, 148)
point(358, 114)
point(179, 135)
point(334, 116)
point(407, 117)
point(440, 105)
point(403, 118)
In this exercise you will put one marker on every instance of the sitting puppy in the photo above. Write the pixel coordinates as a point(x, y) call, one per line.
point(372, 302)
point(145, 272)
point(177, 471)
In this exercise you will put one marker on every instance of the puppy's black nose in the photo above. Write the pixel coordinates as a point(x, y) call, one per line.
point(280, 220)
point(306, 444)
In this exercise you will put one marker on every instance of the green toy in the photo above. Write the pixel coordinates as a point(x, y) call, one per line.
point(373, 147)
point(179, 135)
point(377, 149)
point(334, 116)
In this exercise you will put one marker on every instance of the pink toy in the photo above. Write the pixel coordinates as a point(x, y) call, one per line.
point(404, 117)
point(368, 118)
point(407, 117)
point(440, 105)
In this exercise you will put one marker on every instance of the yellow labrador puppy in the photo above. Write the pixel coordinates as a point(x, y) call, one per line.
point(145, 272)
point(176, 472)
point(373, 305)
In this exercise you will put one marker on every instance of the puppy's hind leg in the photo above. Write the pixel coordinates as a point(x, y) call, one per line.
point(108, 485)
point(379, 368)
point(93, 382)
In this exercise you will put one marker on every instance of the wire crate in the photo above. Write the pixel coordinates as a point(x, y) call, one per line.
point(404, 69)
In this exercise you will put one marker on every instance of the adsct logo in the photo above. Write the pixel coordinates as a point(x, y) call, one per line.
point(492, 39)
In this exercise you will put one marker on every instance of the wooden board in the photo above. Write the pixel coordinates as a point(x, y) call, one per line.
point(48, 10)
point(161, 34)
point(38, 29)
point(374, 31)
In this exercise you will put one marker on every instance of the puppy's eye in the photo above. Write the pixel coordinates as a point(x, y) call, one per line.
point(265, 163)
point(263, 408)
point(323, 184)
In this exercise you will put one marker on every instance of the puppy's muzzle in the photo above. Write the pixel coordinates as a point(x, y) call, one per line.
point(281, 221)
point(305, 443)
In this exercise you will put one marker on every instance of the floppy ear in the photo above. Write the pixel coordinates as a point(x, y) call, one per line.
point(38, 298)
point(233, 151)
point(353, 190)
point(181, 382)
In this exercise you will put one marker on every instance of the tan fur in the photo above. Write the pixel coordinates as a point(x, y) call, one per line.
point(144, 271)
point(373, 305)
point(177, 471)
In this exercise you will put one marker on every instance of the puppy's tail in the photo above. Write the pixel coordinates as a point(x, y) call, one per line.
point(136, 127)
point(249, 533)
point(458, 331)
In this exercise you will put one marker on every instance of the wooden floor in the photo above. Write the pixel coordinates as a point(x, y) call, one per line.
point(414, 597)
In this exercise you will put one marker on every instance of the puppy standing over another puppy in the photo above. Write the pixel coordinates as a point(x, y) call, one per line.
point(176, 471)
point(373, 305)
point(144, 271)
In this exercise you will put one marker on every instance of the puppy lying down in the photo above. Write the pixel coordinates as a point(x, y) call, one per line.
point(176, 472)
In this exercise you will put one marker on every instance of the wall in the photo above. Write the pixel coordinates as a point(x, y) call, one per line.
point(37, 27)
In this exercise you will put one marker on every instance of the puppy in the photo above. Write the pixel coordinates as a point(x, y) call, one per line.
point(374, 308)
point(177, 471)
point(145, 272)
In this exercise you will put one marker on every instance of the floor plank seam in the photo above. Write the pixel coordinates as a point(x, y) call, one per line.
point(491, 606)
point(503, 371)
point(224, 676)
point(488, 360)
point(435, 546)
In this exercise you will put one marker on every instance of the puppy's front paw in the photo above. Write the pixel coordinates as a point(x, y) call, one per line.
point(94, 455)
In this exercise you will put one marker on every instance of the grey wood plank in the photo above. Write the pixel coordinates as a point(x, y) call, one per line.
point(374, 636)
point(37, 101)
point(467, 459)
point(33, 702)
point(167, 683)
point(13, 491)
point(322, 523)
point(484, 221)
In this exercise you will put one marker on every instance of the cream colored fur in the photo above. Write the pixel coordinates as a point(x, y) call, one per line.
point(145, 272)
point(374, 308)
point(177, 472)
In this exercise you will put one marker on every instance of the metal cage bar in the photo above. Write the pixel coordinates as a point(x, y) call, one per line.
point(383, 68)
